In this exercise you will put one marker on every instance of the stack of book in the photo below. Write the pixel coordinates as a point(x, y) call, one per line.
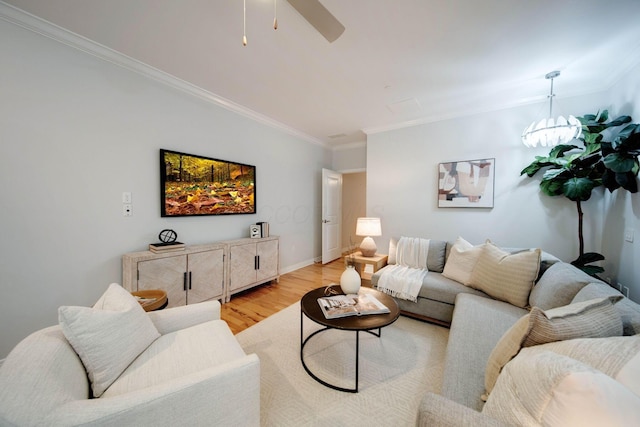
point(264, 228)
point(166, 247)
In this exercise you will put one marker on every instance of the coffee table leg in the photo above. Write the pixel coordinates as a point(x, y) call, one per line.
point(357, 358)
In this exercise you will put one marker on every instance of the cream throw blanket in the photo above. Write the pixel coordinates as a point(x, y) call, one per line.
point(404, 279)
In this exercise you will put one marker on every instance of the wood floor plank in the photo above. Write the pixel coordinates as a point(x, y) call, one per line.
point(249, 307)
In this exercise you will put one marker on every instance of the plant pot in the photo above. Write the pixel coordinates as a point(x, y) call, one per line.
point(350, 280)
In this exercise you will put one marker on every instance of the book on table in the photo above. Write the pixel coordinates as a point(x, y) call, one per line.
point(338, 306)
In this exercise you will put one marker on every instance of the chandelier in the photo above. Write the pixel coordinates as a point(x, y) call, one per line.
point(549, 132)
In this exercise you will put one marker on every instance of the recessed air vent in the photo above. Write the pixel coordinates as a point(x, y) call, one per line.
point(408, 106)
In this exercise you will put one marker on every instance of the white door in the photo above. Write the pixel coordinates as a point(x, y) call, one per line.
point(331, 215)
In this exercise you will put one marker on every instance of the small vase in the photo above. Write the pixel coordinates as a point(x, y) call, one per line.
point(350, 280)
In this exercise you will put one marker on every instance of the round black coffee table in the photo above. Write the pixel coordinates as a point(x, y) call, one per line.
point(310, 308)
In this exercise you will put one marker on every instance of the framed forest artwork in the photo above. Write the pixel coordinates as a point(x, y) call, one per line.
point(193, 185)
point(466, 184)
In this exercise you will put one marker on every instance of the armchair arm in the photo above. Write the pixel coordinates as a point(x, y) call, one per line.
point(228, 394)
point(438, 411)
point(176, 318)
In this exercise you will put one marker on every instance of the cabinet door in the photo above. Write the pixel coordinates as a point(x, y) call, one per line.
point(268, 253)
point(206, 274)
point(242, 265)
point(166, 274)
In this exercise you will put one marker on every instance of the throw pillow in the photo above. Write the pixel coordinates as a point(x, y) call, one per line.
point(628, 310)
point(506, 276)
point(109, 336)
point(590, 319)
point(543, 388)
point(618, 357)
point(558, 286)
point(436, 255)
point(462, 260)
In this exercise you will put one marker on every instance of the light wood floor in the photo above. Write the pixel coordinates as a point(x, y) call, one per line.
point(248, 308)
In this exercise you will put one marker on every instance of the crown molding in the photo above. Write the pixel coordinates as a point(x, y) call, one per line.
point(45, 28)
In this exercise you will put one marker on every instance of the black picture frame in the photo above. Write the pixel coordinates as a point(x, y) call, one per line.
point(195, 185)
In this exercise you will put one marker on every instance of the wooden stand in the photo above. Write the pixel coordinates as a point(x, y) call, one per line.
point(377, 261)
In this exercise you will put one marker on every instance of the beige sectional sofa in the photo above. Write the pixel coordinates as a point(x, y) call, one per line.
point(115, 365)
point(582, 329)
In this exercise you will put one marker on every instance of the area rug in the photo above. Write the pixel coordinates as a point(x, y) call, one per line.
point(396, 370)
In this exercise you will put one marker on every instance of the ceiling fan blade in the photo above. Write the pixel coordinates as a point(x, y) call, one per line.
point(318, 16)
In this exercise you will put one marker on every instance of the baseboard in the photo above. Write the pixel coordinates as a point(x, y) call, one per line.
point(294, 267)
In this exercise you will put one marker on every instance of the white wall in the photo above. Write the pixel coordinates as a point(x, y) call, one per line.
point(76, 132)
point(402, 184)
point(350, 158)
point(622, 209)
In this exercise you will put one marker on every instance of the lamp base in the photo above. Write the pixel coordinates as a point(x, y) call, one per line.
point(368, 247)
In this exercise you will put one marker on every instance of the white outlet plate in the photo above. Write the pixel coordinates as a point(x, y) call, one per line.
point(628, 235)
point(626, 291)
point(127, 210)
point(126, 197)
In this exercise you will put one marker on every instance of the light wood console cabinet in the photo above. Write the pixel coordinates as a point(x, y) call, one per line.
point(203, 272)
point(252, 262)
point(190, 276)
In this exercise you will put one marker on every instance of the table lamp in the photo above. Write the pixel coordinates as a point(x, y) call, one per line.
point(368, 227)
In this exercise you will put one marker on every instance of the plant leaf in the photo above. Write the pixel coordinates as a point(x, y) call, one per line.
point(627, 181)
point(589, 257)
point(578, 189)
point(619, 163)
point(609, 181)
point(552, 187)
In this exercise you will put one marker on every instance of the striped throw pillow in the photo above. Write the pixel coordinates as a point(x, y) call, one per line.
point(595, 318)
point(506, 276)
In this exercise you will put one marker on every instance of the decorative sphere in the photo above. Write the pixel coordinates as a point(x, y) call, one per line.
point(167, 236)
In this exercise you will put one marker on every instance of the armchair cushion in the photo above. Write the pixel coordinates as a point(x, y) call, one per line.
point(179, 354)
point(185, 316)
point(109, 336)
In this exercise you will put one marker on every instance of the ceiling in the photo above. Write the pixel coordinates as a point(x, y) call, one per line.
point(398, 63)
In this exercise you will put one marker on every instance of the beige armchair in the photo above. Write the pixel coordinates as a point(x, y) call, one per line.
point(195, 373)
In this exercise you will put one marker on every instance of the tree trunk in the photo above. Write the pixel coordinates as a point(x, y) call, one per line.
point(580, 235)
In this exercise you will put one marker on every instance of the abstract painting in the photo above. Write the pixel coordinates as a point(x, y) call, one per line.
point(466, 184)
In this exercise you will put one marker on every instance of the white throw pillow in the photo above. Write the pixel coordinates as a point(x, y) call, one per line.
point(109, 336)
point(540, 387)
point(461, 261)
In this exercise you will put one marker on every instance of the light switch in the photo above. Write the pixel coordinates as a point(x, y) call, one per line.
point(628, 235)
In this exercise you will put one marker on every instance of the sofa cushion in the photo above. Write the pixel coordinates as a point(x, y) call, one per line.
point(540, 387)
point(629, 311)
point(590, 319)
point(462, 259)
point(435, 258)
point(478, 324)
point(109, 336)
point(505, 276)
point(558, 286)
point(178, 354)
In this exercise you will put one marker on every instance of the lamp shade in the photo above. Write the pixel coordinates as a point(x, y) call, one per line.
point(368, 227)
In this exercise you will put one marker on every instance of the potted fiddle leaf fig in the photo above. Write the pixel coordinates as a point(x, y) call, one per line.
point(573, 171)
